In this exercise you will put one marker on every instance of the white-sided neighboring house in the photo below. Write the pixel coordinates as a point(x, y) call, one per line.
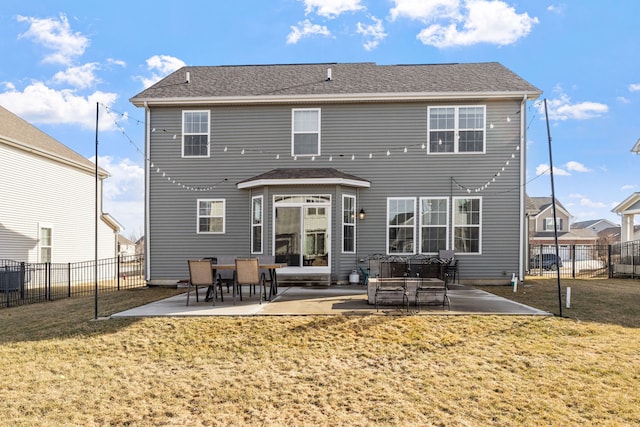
point(596, 225)
point(125, 246)
point(628, 209)
point(48, 199)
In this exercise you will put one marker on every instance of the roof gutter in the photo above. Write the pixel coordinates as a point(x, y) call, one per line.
point(333, 98)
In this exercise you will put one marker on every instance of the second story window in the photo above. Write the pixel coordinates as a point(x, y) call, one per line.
point(456, 129)
point(195, 133)
point(305, 130)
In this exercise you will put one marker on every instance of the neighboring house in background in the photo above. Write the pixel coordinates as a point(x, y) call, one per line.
point(47, 203)
point(140, 246)
point(596, 225)
point(628, 209)
point(125, 246)
point(542, 233)
point(282, 160)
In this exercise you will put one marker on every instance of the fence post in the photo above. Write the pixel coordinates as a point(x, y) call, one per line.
point(572, 253)
point(23, 275)
point(68, 280)
point(47, 275)
point(609, 262)
point(118, 272)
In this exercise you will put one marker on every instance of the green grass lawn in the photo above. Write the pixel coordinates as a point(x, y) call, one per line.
point(63, 368)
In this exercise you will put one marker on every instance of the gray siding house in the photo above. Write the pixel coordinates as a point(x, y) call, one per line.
point(321, 165)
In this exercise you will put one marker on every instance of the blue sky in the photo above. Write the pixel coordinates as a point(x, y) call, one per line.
point(60, 58)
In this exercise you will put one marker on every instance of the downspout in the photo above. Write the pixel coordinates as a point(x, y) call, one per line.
point(523, 188)
point(147, 171)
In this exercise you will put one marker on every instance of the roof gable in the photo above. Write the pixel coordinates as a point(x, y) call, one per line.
point(18, 133)
point(630, 205)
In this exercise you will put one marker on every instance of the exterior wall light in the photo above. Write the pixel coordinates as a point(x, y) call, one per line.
point(361, 214)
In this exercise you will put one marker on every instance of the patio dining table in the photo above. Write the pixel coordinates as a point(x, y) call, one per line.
point(270, 267)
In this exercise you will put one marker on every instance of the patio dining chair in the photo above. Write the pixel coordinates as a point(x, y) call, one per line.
point(393, 289)
point(201, 275)
point(268, 279)
point(248, 273)
point(430, 292)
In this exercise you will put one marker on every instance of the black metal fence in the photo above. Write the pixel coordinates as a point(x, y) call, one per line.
point(586, 261)
point(27, 283)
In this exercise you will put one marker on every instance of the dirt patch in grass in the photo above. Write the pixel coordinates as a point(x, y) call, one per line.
point(63, 368)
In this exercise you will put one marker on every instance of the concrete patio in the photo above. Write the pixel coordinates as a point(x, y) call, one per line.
point(343, 300)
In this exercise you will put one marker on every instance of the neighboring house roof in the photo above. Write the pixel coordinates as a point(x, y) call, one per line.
point(295, 176)
point(578, 234)
point(348, 82)
point(631, 205)
point(594, 224)
point(111, 222)
point(124, 241)
point(537, 205)
point(19, 133)
point(636, 147)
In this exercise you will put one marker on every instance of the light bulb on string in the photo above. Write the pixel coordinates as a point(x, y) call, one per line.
point(331, 158)
point(388, 153)
point(225, 149)
point(405, 149)
point(370, 155)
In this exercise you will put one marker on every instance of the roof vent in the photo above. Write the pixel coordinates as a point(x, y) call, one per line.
point(328, 75)
point(187, 78)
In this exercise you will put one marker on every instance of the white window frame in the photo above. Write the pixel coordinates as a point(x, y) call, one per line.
point(445, 226)
point(254, 224)
point(455, 226)
point(351, 224)
point(41, 246)
point(388, 225)
point(207, 133)
point(547, 224)
point(223, 216)
point(456, 129)
point(294, 132)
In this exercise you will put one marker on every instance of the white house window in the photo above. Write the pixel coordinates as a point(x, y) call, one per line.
point(46, 241)
point(348, 224)
point(256, 224)
point(434, 224)
point(305, 139)
point(548, 224)
point(401, 222)
point(467, 222)
point(195, 133)
point(211, 216)
point(456, 129)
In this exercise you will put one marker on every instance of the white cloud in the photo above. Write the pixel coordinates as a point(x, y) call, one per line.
point(562, 108)
point(623, 100)
point(124, 192)
point(82, 77)
point(556, 8)
point(331, 8)
point(56, 35)
point(634, 87)
point(577, 167)
point(576, 196)
point(425, 11)
point(591, 204)
point(545, 169)
point(628, 187)
point(160, 66)
point(38, 103)
point(468, 23)
point(119, 62)
point(306, 29)
point(374, 33)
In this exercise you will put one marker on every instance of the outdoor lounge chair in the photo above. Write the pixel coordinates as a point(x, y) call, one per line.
point(431, 292)
point(201, 274)
point(391, 288)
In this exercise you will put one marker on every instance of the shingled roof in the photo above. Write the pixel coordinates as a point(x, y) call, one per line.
point(357, 80)
point(19, 133)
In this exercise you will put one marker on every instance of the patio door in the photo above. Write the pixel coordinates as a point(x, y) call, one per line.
point(301, 228)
